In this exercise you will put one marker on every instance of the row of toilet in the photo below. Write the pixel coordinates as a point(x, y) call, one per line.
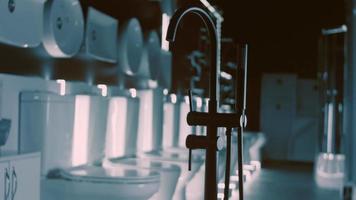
point(121, 144)
point(96, 147)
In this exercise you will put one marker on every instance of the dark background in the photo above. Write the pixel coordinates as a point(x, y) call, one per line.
point(283, 38)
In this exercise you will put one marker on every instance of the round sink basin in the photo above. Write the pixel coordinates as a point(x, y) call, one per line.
point(63, 28)
point(130, 47)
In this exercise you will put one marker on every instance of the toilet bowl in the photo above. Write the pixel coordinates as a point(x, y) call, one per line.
point(169, 173)
point(182, 162)
point(96, 183)
point(68, 137)
point(121, 145)
point(150, 134)
point(123, 148)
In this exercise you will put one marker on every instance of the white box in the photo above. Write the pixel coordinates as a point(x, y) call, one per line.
point(278, 111)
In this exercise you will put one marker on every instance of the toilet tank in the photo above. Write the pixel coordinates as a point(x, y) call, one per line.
point(122, 127)
point(97, 129)
point(150, 125)
point(89, 135)
point(46, 126)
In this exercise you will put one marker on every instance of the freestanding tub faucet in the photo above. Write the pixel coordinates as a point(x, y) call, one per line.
point(212, 120)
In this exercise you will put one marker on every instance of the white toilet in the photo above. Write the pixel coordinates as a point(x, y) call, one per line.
point(175, 131)
point(121, 145)
point(150, 139)
point(150, 121)
point(124, 145)
point(69, 148)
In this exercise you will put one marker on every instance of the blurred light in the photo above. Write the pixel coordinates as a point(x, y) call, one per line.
point(133, 92)
point(165, 92)
point(186, 99)
point(165, 24)
point(257, 164)
point(250, 167)
point(212, 9)
point(232, 186)
point(234, 178)
point(104, 89)
point(226, 75)
point(199, 102)
point(221, 195)
point(152, 84)
point(341, 29)
point(173, 98)
point(81, 129)
point(62, 86)
point(247, 174)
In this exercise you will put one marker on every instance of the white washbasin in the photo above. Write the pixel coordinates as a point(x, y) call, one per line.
point(63, 28)
point(165, 71)
point(101, 36)
point(21, 22)
point(153, 46)
point(130, 47)
point(151, 57)
point(144, 70)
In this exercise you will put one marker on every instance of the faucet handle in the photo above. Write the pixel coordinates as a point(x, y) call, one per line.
point(190, 160)
point(195, 142)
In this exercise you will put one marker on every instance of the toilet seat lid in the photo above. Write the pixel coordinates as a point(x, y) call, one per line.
point(109, 175)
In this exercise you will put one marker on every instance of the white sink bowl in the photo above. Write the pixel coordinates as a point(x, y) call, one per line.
point(165, 71)
point(21, 22)
point(63, 28)
point(153, 46)
point(151, 57)
point(130, 47)
point(101, 36)
point(144, 70)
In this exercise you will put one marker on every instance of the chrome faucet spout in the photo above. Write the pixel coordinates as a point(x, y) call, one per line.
point(209, 23)
point(208, 142)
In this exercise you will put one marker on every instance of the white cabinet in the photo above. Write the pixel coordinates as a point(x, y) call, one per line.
point(278, 111)
point(20, 177)
point(5, 181)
